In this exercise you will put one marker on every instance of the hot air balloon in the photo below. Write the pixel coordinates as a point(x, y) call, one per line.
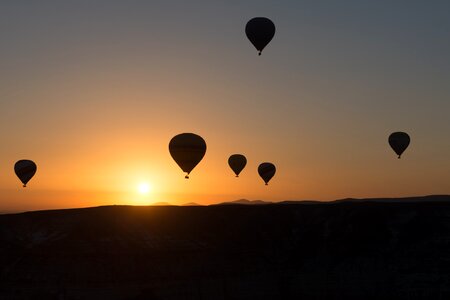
point(260, 32)
point(25, 170)
point(266, 170)
point(187, 149)
point(237, 163)
point(399, 141)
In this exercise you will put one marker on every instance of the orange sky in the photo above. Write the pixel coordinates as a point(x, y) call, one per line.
point(94, 95)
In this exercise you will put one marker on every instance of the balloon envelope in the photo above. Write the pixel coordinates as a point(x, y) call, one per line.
point(25, 170)
point(260, 32)
point(187, 149)
point(266, 170)
point(237, 163)
point(399, 141)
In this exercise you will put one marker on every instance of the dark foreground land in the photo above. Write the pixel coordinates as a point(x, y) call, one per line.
point(342, 250)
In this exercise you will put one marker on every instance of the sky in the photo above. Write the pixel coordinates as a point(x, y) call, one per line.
point(93, 91)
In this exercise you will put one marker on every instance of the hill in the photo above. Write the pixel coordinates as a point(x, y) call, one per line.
point(192, 204)
point(339, 250)
point(244, 202)
point(161, 204)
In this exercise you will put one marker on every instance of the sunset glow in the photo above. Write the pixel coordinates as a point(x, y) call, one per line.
point(93, 95)
point(143, 188)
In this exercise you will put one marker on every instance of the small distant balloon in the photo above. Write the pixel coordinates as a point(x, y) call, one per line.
point(187, 149)
point(266, 170)
point(25, 170)
point(237, 163)
point(399, 141)
point(260, 31)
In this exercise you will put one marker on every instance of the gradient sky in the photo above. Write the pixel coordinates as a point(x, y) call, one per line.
point(93, 91)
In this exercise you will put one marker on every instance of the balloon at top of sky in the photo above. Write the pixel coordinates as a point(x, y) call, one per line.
point(25, 170)
point(187, 149)
point(260, 31)
point(237, 163)
point(266, 170)
point(399, 141)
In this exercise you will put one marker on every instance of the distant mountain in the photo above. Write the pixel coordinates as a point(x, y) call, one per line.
point(245, 202)
point(433, 198)
point(383, 249)
point(161, 204)
point(302, 202)
point(192, 204)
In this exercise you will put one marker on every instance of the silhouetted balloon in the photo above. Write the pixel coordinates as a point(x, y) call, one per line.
point(237, 163)
point(399, 141)
point(25, 170)
point(266, 170)
point(187, 149)
point(260, 32)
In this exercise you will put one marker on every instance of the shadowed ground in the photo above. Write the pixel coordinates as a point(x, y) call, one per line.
point(340, 250)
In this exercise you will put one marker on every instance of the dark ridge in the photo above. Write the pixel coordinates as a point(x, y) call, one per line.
point(387, 200)
point(161, 204)
point(338, 250)
point(402, 199)
point(245, 202)
point(192, 204)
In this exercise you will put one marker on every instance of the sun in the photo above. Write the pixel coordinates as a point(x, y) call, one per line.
point(144, 188)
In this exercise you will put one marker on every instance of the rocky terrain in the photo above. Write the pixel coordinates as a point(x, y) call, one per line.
point(349, 249)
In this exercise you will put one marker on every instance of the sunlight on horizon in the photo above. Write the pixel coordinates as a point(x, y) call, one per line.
point(96, 100)
point(144, 188)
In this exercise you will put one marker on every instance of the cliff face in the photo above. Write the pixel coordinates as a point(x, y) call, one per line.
point(342, 250)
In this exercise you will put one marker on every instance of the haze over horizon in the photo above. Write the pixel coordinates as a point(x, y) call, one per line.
point(93, 93)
